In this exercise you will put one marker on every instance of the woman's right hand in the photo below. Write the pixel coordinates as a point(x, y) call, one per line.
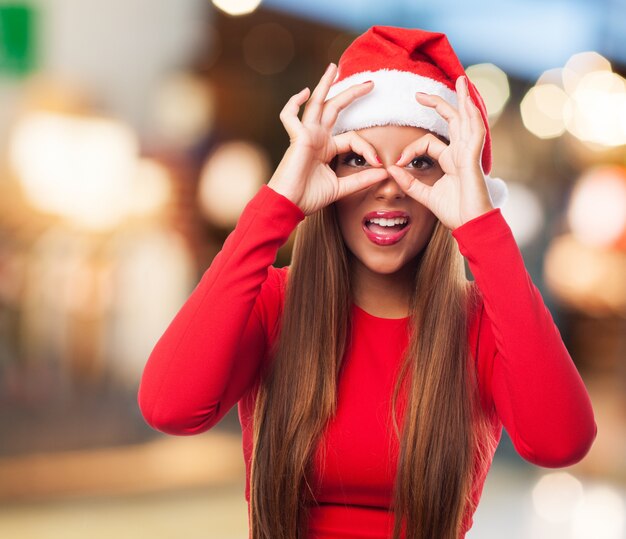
point(304, 175)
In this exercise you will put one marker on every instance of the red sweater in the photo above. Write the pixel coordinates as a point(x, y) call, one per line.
point(209, 357)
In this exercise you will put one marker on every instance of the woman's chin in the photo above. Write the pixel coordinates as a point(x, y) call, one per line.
point(391, 269)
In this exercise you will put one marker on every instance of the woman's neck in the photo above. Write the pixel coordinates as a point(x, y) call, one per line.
point(383, 295)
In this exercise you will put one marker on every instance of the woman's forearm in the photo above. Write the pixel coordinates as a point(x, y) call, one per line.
point(535, 386)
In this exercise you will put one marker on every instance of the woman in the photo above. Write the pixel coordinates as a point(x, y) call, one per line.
point(373, 379)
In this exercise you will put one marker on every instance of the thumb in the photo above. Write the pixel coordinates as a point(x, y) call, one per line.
point(410, 185)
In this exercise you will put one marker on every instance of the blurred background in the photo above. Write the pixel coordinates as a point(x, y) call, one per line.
point(133, 133)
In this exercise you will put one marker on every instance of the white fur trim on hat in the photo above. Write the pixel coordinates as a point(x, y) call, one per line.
point(498, 191)
point(392, 102)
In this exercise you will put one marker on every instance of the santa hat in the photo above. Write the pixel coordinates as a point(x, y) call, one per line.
point(401, 62)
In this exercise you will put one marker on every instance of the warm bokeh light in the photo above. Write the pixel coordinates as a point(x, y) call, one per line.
point(581, 64)
point(601, 514)
point(231, 176)
point(150, 274)
point(597, 210)
point(237, 7)
point(551, 76)
point(584, 97)
point(590, 279)
point(571, 509)
point(523, 212)
point(77, 167)
point(557, 496)
point(542, 110)
point(493, 86)
point(183, 109)
point(268, 48)
point(152, 188)
point(596, 108)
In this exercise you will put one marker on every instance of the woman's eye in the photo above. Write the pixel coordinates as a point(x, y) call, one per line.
point(354, 160)
point(421, 163)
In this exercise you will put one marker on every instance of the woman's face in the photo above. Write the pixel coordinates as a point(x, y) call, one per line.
point(383, 249)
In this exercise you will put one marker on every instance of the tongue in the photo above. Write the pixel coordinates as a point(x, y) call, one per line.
point(384, 229)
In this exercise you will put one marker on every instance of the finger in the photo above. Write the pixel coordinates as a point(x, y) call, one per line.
point(476, 129)
point(360, 180)
point(445, 109)
point(289, 113)
point(313, 110)
point(428, 144)
point(351, 141)
point(335, 105)
point(410, 185)
point(463, 93)
point(475, 116)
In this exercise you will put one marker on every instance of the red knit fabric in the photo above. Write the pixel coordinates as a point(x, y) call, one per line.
point(209, 357)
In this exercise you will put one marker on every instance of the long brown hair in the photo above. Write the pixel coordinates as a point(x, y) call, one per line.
point(443, 426)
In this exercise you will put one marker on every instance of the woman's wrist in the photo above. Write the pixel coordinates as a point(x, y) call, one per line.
point(476, 212)
point(280, 189)
point(284, 191)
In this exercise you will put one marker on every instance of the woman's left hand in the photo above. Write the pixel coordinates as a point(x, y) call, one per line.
point(461, 193)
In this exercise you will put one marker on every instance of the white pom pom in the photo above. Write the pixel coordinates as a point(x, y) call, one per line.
point(498, 191)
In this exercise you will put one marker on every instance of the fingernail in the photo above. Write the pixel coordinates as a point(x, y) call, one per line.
point(378, 159)
point(399, 158)
point(329, 66)
point(366, 81)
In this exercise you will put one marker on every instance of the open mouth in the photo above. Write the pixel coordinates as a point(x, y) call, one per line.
point(387, 226)
point(386, 231)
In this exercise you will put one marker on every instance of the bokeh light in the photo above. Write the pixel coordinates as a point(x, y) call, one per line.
point(584, 98)
point(230, 177)
point(183, 109)
point(557, 496)
point(150, 274)
point(542, 110)
point(587, 278)
point(597, 210)
point(152, 188)
point(601, 514)
point(595, 109)
point(523, 212)
point(581, 64)
point(493, 86)
point(80, 168)
point(237, 7)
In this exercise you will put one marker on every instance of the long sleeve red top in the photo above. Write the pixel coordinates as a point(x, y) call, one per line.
point(209, 358)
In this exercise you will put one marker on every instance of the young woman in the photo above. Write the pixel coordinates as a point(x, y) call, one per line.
point(372, 378)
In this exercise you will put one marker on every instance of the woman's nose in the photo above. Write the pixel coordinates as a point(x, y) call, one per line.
point(388, 188)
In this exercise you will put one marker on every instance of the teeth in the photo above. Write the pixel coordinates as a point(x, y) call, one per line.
point(388, 222)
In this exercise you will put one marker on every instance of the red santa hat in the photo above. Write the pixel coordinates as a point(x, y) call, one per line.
point(401, 62)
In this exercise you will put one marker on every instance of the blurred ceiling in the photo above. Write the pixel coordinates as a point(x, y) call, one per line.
point(523, 38)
